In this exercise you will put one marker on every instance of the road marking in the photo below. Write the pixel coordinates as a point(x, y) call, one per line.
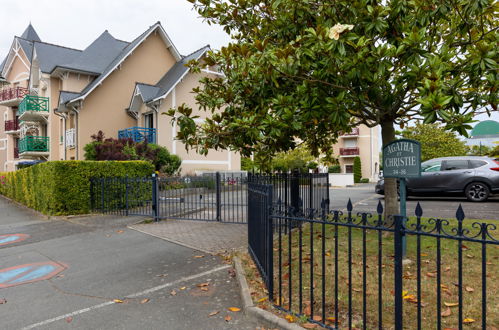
point(28, 273)
point(135, 295)
point(12, 238)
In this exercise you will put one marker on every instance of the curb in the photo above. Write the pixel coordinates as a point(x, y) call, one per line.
point(269, 319)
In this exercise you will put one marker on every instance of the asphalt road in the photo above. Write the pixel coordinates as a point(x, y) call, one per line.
point(364, 199)
point(115, 278)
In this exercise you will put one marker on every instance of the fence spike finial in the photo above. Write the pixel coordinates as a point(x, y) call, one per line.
point(349, 205)
point(460, 213)
point(379, 209)
point(419, 210)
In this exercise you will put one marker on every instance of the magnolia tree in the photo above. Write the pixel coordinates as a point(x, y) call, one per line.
point(301, 71)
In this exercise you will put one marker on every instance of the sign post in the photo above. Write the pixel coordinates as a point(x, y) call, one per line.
point(402, 160)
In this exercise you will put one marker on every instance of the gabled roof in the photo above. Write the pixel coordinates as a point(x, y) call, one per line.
point(147, 92)
point(30, 34)
point(176, 74)
point(97, 56)
point(65, 96)
point(124, 54)
point(49, 55)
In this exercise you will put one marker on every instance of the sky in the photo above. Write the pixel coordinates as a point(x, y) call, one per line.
point(76, 23)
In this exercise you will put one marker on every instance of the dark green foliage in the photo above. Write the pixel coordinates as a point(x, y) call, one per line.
point(357, 170)
point(63, 187)
point(364, 180)
point(126, 149)
point(334, 169)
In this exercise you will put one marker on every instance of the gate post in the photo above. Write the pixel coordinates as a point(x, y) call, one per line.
point(155, 197)
point(398, 269)
point(218, 196)
point(295, 191)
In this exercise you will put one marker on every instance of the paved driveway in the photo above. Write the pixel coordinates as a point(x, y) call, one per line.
point(95, 273)
point(364, 199)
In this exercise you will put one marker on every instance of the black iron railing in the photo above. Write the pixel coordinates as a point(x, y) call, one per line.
point(337, 268)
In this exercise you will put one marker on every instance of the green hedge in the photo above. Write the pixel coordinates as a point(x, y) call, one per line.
point(63, 187)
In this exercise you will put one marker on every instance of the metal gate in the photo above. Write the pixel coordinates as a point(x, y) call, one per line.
point(214, 197)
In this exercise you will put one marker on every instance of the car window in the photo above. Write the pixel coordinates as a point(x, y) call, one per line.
point(458, 164)
point(430, 166)
point(477, 163)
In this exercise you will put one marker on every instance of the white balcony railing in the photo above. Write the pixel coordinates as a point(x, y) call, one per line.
point(71, 138)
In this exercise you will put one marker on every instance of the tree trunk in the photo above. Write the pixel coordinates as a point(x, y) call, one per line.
point(391, 196)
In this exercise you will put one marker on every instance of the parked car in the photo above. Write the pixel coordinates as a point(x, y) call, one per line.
point(475, 177)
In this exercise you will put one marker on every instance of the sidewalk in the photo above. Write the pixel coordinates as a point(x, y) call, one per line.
point(209, 237)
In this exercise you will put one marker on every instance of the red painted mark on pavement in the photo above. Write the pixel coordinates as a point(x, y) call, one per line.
point(12, 238)
point(29, 273)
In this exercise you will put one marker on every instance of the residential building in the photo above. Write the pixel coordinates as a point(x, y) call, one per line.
point(363, 142)
point(54, 98)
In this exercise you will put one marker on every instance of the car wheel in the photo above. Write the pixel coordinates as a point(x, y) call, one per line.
point(477, 192)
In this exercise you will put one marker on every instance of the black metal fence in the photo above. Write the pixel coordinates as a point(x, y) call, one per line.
point(213, 197)
point(341, 269)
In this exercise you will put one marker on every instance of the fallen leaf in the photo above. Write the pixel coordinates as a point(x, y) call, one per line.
point(234, 309)
point(290, 318)
point(451, 304)
point(213, 313)
point(446, 312)
point(330, 319)
point(424, 254)
point(447, 268)
point(199, 256)
point(468, 320)
point(232, 272)
point(469, 256)
point(204, 288)
point(262, 300)
point(143, 301)
point(309, 325)
point(118, 301)
point(317, 318)
point(3, 301)
point(200, 285)
point(120, 231)
point(69, 319)
point(173, 293)
point(469, 289)
point(410, 297)
point(183, 288)
point(228, 318)
point(430, 274)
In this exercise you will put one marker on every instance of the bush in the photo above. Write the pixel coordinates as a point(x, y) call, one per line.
point(334, 169)
point(357, 170)
point(364, 180)
point(126, 149)
point(63, 187)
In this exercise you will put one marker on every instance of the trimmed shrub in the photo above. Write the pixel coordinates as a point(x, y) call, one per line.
point(357, 170)
point(334, 169)
point(63, 187)
point(364, 180)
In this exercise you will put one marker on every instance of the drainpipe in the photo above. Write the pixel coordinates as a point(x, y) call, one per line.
point(63, 116)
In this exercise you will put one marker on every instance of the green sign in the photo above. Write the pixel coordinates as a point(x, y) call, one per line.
point(402, 159)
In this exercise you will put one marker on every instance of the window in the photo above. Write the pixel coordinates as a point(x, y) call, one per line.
point(430, 166)
point(348, 168)
point(477, 163)
point(458, 164)
point(148, 120)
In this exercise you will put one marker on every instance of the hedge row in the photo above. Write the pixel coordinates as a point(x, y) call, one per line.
point(63, 187)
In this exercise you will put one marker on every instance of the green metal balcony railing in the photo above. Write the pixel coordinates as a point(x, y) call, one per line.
point(34, 103)
point(34, 144)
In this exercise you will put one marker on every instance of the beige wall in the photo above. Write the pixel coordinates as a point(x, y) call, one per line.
point(221, 160)
point(104, 108)
point(367, 142)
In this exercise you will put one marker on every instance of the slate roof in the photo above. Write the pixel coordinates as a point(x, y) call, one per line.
point(30, 34)
point(49, 56)
point(171, 78)
point(97, 56)
point(65, 96)
point(148, 92)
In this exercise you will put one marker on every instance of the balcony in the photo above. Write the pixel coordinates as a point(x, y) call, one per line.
point(138, 134)
point(33, 146)
point(33, 108)
point(71, 138)
point(346, 152)
point(353, 133)
point(11, 126)
point(12, 96)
